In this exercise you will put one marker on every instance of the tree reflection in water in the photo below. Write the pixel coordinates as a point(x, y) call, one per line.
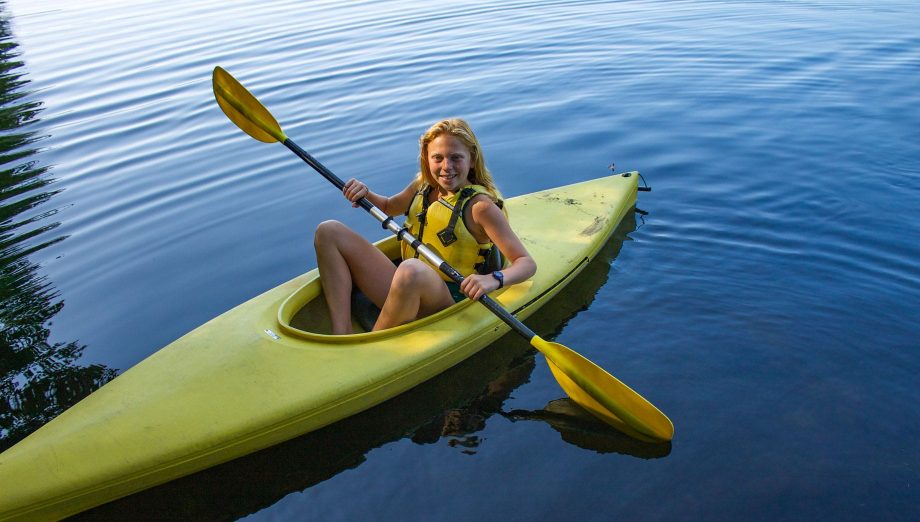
point(38, 379)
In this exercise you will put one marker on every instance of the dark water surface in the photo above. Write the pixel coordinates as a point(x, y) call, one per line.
point(768, 302)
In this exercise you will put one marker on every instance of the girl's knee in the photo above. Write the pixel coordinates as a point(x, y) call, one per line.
point(327, 231)
point(411, 271)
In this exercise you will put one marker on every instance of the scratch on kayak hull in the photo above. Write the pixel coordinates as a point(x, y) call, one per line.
point(595, 227)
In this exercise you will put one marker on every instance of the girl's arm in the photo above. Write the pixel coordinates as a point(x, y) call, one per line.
point(394, 205)
point(490, 221)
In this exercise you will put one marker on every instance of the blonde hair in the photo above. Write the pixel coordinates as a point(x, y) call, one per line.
point(459, 128)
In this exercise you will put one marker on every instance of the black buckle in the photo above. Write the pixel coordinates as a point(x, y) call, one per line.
point(447, 236)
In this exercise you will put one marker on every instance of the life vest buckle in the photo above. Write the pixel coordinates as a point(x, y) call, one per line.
point(447, 236)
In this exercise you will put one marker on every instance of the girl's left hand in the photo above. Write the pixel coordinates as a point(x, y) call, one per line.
point(476, 285)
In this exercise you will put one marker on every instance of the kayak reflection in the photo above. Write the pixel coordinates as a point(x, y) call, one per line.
point(575, 424)
point(450, 408)
point(460, 425)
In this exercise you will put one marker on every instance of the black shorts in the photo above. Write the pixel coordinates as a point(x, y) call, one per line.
point(455, 291)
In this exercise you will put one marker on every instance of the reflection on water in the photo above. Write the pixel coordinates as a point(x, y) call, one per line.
point(449, 409)
point(38, 378)
point(578, 427)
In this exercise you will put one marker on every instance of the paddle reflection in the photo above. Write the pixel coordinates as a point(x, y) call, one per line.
point(449, 409)
point(582, 429)
point(38, 379)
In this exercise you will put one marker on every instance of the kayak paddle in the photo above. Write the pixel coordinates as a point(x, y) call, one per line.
point(586, 383)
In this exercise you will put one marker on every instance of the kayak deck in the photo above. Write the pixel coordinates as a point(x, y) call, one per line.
point(267, 371)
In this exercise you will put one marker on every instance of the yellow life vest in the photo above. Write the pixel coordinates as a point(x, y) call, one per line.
point(440, 226)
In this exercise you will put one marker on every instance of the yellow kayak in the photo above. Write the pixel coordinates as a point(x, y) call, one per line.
point(267, 370)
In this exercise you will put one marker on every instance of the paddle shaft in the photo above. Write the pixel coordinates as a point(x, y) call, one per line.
point(402, 233)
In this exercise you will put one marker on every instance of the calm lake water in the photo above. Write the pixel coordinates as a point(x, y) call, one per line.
point(768, 302)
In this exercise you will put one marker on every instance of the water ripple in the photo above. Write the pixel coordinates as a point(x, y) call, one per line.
point(778, 252)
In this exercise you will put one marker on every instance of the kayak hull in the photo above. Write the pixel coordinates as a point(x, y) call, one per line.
point(268, 371)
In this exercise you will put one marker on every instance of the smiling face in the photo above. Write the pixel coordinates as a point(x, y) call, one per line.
point(449, 163)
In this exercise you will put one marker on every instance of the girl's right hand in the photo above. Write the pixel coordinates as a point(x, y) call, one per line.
point(354, 190)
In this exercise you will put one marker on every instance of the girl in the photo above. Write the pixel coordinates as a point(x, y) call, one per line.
point(453, 207)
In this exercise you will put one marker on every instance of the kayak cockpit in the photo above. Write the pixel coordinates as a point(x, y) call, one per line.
point(313, 314)
point(305, 314)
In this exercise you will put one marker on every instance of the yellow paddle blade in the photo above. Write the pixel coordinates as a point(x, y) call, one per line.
point(593, 407)
point(604, 395)
point(244, 109)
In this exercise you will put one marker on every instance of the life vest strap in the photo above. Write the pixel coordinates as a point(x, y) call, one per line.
point(447, 235)
point(421, 215)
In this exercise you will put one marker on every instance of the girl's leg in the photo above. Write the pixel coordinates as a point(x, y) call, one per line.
point(416, 291)
point(345, 259)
